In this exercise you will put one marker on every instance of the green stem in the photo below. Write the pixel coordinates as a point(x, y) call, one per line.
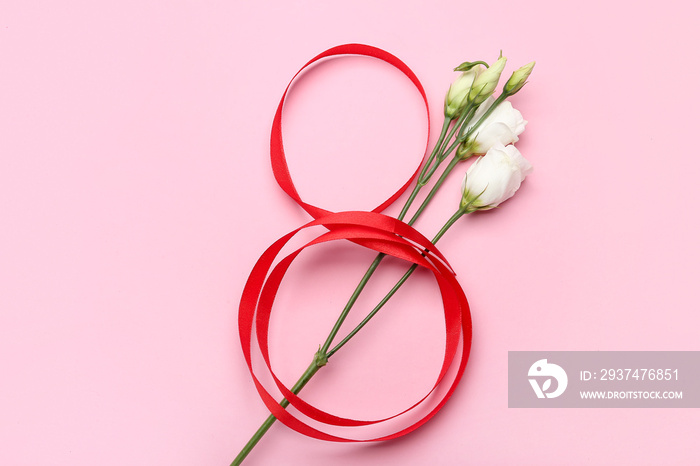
point(466, 115)
point(447, 151)
point(430, 167)
point(396, 287)
point(409, 201)
point(453, 163)
point(462, 124)
point(377, 260)
point(303, 380)
point(466, 118)
point(463, 137)
point(438, 144)
point(355, 294)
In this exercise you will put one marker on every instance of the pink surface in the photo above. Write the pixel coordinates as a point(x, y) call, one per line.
point(136, 195)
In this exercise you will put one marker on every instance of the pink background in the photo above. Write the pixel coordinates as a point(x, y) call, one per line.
point(136, 195)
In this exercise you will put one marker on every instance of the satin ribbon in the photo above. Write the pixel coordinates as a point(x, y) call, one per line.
point(277, 155)
point(372, 230)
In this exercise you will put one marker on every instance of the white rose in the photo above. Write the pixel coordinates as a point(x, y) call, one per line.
point(494, 178)
point(503, 126)
point(456, 97)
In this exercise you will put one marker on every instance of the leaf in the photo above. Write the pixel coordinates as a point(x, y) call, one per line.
point(546, 385)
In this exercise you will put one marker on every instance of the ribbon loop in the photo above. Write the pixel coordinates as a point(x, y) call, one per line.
point(263, 283)
point(277, 155)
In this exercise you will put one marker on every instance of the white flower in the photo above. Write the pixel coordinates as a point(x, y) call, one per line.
point(503, 125)
point(456, 97)
point(494, 178)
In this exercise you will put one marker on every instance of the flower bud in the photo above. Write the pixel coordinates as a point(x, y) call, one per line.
point(486, 82)
point(518, 79)
point(493, 178)
point(456, 97)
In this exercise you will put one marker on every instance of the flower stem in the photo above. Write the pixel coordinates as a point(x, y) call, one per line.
point(469, 112)
point(439, 150)
point(453, 163)
point(355, 294)
point(396, 287)
point(377, 260)
point(462, 136)
point(438, 144)
point(303, 380)
point(467, 115)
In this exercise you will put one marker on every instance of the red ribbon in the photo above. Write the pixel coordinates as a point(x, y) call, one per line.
point(369, 229)
point(277, 156)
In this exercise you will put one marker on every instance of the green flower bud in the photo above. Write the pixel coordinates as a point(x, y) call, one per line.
point(486, 82)
point(456, 97)
point(518, 79)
